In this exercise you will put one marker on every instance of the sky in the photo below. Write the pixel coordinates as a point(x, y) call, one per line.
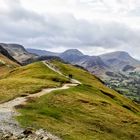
point(92, 26)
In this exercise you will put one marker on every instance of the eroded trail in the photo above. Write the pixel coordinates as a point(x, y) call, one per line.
point(8, 112)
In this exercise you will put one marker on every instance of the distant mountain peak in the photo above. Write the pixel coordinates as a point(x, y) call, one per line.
point(121, 55)
point(73, 52)
point(116, 53)
point(119, 59)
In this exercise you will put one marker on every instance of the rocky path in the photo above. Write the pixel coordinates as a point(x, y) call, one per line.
point(9, 126)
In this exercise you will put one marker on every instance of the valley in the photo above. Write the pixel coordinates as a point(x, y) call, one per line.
point(126, 84)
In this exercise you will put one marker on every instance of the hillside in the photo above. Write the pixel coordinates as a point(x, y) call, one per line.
point(7, 62)
point(25, 80)
point(88, 111)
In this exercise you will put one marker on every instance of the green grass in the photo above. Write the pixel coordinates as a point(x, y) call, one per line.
point(93, 81)
point(90, 111)
point(27, 80)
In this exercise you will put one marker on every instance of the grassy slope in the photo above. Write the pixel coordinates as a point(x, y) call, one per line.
point(28, 79)
point(89, 111)
point(7, 66)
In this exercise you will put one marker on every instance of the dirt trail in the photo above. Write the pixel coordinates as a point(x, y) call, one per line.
point(52, 67)
point(8, 112)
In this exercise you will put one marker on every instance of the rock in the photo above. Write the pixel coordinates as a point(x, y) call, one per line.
point(1, 134)
point(7, 136)
point(45, 138)
point(28, 131)
point(13, 138)
point(40, 131)
point(28, 134)
point(20, 136)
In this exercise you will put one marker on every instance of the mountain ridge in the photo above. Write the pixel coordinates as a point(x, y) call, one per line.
point(18, 52)
point(113, 62)
point(7, 62)
point(5, 53)
point(41, 52)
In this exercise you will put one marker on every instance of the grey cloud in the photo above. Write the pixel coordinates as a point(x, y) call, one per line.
point(33, 30)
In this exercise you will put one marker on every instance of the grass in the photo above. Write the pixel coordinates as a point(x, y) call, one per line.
point(93, 81)
point(6, 65)
point(90, 111)
point(27, 80)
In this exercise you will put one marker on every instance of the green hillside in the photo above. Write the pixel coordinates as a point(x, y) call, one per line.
point(90, 111)
point(26, 80)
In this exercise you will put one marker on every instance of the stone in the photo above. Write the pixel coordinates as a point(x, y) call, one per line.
point(28, 131)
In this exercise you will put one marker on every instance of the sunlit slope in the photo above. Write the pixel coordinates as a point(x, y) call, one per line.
point(91, 80)
point(6, 64)
point(28, 79)
point(90, 111)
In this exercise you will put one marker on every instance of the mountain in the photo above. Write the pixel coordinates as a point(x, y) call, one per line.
point(119, 60)
point(18, 52)
point(71, 55)
point(94, 64)
point(115, 61)
point(104, 66)
point(74, 52)
point(110, 62)
point(41, 52)
point(120, 55)
point(6, 54)
point(7, 62)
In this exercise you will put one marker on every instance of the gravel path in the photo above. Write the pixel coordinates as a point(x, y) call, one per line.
point(52, 67)
point(8, 112)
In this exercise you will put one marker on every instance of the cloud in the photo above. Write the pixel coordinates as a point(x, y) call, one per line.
point(64, 30)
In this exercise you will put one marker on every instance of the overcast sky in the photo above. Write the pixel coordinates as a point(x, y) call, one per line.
point(93, 26)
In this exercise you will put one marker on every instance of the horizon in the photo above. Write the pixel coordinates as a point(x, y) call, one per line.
point(85, 53)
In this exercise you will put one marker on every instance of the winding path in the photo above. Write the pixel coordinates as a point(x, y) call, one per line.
point(52, 67)
point(8, 112)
